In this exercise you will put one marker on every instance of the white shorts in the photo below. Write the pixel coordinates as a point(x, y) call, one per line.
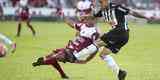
point(84, 53)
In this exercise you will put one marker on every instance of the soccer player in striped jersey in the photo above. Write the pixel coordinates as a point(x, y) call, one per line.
point(115, 15)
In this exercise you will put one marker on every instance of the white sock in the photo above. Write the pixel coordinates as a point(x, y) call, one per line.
point(111, 63)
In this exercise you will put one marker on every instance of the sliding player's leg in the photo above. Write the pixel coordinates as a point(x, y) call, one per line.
point(52, 60)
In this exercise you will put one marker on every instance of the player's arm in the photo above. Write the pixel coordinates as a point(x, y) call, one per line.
point(134, 13)
point(91, 56)
point(73, 24)
point(70, 22)
point(138, 15)
point(66, 19)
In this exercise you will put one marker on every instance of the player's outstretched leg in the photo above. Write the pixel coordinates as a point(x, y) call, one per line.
point(51, 60)
point(31, 28)
point(121, 74)
point(19, 29)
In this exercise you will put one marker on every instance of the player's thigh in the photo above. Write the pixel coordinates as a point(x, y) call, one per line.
point(64, 55)
point(115, 40)
point(108, 37)
point(118, 43)
point(104, 51)
point(122, 42)
point(58, 54)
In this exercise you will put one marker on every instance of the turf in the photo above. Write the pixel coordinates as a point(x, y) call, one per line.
point(140, 57)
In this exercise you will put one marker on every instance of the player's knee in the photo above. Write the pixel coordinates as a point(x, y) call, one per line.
point(102, 56)
point(104, 52)
point(100, 43)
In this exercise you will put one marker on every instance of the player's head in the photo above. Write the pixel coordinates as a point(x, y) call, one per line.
point(3, 50)
point(23, 3)
point(103, 3)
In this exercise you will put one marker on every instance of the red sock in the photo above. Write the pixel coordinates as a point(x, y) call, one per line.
point(52, 61)
point(59, 69)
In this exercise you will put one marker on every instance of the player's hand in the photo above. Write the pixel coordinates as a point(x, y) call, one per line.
point(151, 18)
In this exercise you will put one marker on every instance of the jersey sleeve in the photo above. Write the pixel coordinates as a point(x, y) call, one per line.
point(123, 9)
point(99, 14)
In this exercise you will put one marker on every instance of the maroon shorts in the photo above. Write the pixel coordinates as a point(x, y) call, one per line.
point(63, 55)
point(24, 16)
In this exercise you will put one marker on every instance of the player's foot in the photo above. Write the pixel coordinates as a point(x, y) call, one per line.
point(34, 34)
point(38, 63)
point(122, 75)
point(65, 77)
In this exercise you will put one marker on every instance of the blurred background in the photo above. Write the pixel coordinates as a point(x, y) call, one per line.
point(140, 57)
point(46, 9)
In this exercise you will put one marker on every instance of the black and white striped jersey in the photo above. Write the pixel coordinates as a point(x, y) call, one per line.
point(115, 15)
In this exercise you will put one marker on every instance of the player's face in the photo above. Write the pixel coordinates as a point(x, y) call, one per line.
point(103, 3)
point(89, 20)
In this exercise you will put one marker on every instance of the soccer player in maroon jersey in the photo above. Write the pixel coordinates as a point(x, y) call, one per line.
point(24, 16)
point(76, 50)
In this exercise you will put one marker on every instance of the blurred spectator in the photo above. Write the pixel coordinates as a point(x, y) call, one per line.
point(37, 3)
point(157, 4)
point(15, 2)
point(52, 3)
point(1, 11)
point(4, 3)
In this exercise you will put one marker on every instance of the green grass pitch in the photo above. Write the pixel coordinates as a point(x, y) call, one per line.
point(140, 57)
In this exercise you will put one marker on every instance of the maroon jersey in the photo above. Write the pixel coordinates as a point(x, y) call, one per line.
point(24, 13)
point(87, 35)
